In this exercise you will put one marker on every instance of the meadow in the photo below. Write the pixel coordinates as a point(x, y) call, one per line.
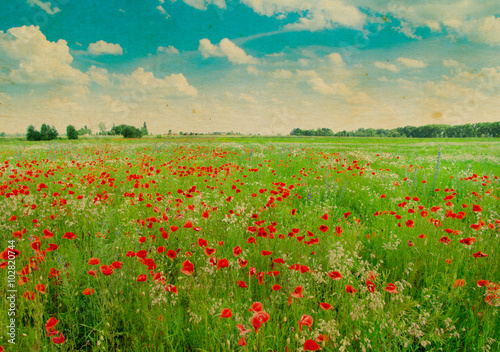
point(251, 244)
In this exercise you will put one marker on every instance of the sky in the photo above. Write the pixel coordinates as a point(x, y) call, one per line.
point(249, 66)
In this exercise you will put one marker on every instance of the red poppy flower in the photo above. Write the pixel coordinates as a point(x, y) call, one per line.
point(237, 251)
point(322, 338)
point(445, 240)
point(209, 251)
point(323, 228)
point(202, 242)
point(459, 283)
point(304, 269)
point(297, 293)
point(142, 239)
point(69, 236)
point(226, 313)
point(241, 284)
point(350, 289)
point(476, 208)
point(50, 325)
point(106, 269)
point(117, 265)
point(142, 278)
point(130, 254)
point(391, 288)
point(481, 283)
point(266, 253)
point(467, 241)
point(311, 345)
point(187, 268)
point(293, 212)
point(174, 228)
point(40, 288)
point(325, 216)
point(88, 291)
point(223, 263)
point(306, 320)
point(338, 230)
point(409, 223)
point(242, 342)
point(47, 234)
point(59, 339)
point(257, 307)
point(171, 254)
point(94, 261)
point(258, 319)
point(242, 263)
point(479, 255)
point(335, 275)
point(142, 253)
point(326, 306)
point(370, 285)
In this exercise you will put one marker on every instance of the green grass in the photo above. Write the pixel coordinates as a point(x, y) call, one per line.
point(427, 313)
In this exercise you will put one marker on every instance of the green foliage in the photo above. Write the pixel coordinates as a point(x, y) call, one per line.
point(71, 132)
point(46, 133)
point(480, 129)
point(84, 131)
point(131, 132)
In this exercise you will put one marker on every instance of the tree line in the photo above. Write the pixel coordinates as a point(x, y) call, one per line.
point(480, 129)
point(48, 133)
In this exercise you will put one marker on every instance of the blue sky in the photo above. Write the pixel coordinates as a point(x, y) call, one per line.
point(253, 66)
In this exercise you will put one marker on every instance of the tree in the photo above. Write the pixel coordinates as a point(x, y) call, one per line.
point(32, 134)
point(131, 132)
point(144, 130)
point(71, 132)
point(102, 127)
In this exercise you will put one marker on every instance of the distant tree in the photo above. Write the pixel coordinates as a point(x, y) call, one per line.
point(71, 132)
point(144, 129)
point(32, 134)
point(84, 131)
point(131, 132)
point(102, 128)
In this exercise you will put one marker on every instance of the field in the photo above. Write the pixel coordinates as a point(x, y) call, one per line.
point(250, 244)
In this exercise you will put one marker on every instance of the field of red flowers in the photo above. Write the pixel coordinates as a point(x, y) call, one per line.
point(250, 246)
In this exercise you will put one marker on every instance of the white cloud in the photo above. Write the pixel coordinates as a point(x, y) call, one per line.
point(202, 4)
point(248, 98)
point(34, 59)
point(253, 70)
point(315, 14)
point(99, 75)
point(336, 59)
point(304, 62)
point(281, 73)
point(412, 63)
point(46, 6)
point(451, 63)
point(226, 48)
point(167, 50)
point(485, 30)
point(386, 66)
point(470, 18)
point(161, 9)
point(103, 48)
point(146, 83)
